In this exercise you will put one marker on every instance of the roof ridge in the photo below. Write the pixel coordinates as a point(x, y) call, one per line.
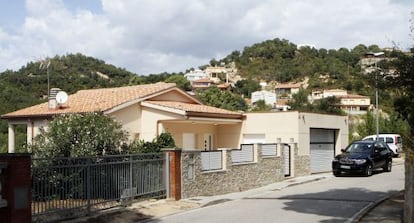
point(129, 86)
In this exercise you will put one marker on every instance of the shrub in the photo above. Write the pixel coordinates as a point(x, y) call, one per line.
point(76, 135)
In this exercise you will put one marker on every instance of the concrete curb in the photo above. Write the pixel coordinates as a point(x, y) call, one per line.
point(307, 181)
point(359, 215)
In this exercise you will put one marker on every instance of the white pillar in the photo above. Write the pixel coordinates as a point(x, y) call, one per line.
point(11, 138)
point(29, 133)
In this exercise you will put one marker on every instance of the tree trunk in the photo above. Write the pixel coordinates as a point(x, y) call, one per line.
point(409, 187)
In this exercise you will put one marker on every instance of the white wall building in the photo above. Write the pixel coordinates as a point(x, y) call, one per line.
point(195, 75)
point(316, 95)
point(267, 96)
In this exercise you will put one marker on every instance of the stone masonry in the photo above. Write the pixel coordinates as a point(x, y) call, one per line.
point(235, 177)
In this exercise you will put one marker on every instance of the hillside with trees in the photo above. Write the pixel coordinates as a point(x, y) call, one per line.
point(272, 61)
point(282, 61)
point(29, 85)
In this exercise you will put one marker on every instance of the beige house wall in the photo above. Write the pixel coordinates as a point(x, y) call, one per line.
point(173, 96)
point(178, 129)
point(283, 126)
point(130, 119)
point(356, 101)
point(224, 135)
point(295, 127)
point(36, 126)
point(229, 136)
point(322, 121)
point(150, 125)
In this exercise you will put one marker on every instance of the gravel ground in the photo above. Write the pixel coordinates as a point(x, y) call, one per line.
point(139, 211)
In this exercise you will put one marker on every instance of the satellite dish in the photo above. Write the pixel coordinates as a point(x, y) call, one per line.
point(61, 97)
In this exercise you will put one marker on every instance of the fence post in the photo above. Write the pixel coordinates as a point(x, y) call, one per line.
point(131, 194)
point(167, 174)
point(88, 187)
point(174, 172)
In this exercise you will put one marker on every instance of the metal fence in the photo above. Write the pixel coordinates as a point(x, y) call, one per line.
point(244, 155)
point(67, 188)
point(211, 160)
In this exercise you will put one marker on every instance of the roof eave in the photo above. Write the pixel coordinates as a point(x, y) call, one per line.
point(8, 117)
point(163, 108)
point(214, 115)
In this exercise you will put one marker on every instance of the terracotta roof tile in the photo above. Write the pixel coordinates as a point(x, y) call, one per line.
point(94, 100)
point(203, 80)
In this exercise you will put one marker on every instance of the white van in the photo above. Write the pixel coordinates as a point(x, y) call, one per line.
point(394, 141)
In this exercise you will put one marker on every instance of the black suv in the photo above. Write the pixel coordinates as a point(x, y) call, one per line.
point(363, 157)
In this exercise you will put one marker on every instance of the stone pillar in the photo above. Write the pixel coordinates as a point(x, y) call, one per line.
point(16, 188)
point(174, 174)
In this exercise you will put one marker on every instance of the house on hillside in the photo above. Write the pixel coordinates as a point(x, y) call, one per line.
point(351, 103)
point(286, 90)
point(145, 111)
point(202, 84)
point(370, 60)
point(355, 104)
point(319, 94)
point(217, 72)
point(210, 141)
point(195, 75)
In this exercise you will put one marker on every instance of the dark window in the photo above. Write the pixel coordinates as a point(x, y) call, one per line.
point(389, 140)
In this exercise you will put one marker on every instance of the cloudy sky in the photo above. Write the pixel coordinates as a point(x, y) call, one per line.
point(154, 36)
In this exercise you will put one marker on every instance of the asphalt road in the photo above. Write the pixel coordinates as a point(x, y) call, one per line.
point(335, 199)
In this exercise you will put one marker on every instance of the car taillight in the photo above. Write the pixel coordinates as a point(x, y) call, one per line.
point(396, 140)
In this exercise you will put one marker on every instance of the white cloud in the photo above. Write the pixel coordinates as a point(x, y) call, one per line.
point(155, 36)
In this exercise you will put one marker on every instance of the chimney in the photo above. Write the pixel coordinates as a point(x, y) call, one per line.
point(52, 98)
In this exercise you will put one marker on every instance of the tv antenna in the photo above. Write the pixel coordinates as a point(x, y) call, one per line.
point(46, 64)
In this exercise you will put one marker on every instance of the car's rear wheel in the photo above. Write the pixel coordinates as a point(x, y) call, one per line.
point(368, 170)
point(388, 166)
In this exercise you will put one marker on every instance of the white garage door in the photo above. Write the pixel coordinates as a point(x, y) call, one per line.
point(322, 149)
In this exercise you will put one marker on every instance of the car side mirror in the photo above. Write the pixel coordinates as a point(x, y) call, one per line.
point(343, 150)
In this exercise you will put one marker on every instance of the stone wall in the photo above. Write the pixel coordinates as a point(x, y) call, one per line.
point(232, 177)
point(302, 163)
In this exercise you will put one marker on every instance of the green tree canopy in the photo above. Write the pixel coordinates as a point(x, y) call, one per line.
point(327, 105)
point(180, 80)
point(299, 100)
point(390, 124)
point(164, 140)
point(261, 105)
point(76, 135)
point(402, 82)
point(215, 97)
point(246, 87)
